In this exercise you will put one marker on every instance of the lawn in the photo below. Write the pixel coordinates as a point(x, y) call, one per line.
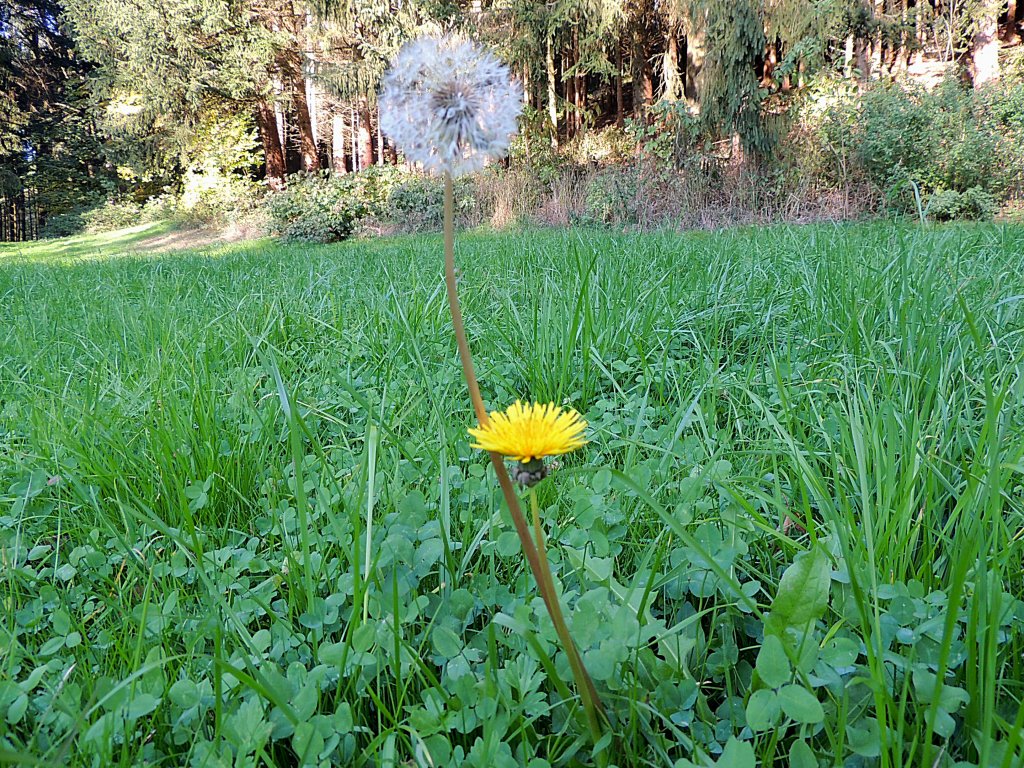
point(241, 523)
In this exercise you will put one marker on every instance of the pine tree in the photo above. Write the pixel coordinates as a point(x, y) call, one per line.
point(731, 103)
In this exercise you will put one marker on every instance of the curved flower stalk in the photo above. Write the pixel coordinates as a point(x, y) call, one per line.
point(452, 106)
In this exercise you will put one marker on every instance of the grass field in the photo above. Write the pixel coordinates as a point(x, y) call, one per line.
point(241, 523)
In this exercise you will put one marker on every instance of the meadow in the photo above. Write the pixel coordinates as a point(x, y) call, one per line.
point(241, 523)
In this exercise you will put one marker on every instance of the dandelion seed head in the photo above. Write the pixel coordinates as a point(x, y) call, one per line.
point(449, 104)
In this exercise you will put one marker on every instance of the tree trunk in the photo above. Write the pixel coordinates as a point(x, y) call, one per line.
point(273, 153)
point(1010, 33)
point(877, 39)
point(670, 64)
point(620, 107)
point(985, 45)
point(771, 61)
point(552, 92)
point(380, 141)
point(862, 47)
point(581, 85)
point(365, 138)
point(313, 101)
point(303, 122)
point(643, 84)
point(921, 29)
point(570, 99)
point(338, 145)
point(354, 120)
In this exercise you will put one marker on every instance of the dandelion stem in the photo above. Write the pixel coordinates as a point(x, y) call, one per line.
point(535, 553)
point(591, 701)
point(453, 300)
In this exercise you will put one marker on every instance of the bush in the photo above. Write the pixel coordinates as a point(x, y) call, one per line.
point(322, 208)
point(611, 196)
point(63, 225)
point(116, 213)
point(209, 198)
point(950, 139)
point(500, 197)
point(974, 204)
point(417, 203)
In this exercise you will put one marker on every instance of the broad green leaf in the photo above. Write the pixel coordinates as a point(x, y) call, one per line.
point(802, 756)
point(802, 596)
point(308, 743)
point(508, 544)
point(141, 705)
point(865, 742)
point(17, 709)
point(772, 663)
point(841, 652)
point(762, 710)
point(184, 694)
point(447, 644)
point(800, 704)
point(331, 653)
point(737, 754)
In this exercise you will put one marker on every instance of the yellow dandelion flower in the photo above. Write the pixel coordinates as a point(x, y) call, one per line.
point(530, 432)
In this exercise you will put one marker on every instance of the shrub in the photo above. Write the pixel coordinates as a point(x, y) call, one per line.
point(209, 198)
point(952, 138)
point(611, 196)
point(502, 197)
point(417, 203)
point(974, 204)
point(63, 225)
point(116, 213)
point(323, 208)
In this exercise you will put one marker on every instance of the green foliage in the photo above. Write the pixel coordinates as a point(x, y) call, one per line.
point(972, 204)
point(791, 541)
point(112, 214)
point(613, 196)
point(417, 203)
point(324, 208)
point(731, 102)
point(951, 138)
point(63, 225)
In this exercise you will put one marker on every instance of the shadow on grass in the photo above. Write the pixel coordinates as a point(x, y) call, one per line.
point(149, 241)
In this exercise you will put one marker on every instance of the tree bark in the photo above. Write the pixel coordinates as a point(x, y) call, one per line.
point(354, 120)
point(1010, 33)
point(552, 92)
point(570, 99)
point(670, 63)
point(862, 46)
point(303, 122)
point(877, 39)
point(643, 84)
point(771, 60)
point(620, 107)
point(273, 153)
point(338, 159)
point(985, 45)
point(365, 137)
point(581, 84)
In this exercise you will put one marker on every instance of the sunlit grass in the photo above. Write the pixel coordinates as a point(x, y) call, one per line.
point(168, 595)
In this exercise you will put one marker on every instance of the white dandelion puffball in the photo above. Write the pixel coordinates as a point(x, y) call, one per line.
point(449, 104)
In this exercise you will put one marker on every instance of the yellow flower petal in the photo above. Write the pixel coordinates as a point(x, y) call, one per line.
point(532, 431)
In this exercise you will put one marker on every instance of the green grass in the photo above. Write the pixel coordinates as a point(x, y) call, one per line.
point(795, 535)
